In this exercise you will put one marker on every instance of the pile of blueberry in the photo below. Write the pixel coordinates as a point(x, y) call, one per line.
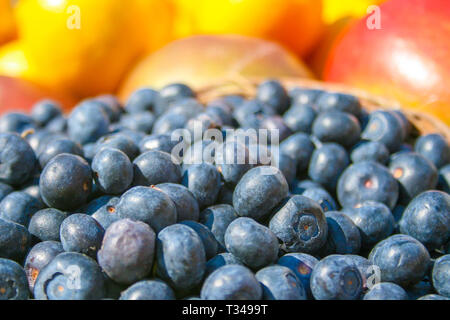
point(95, 205)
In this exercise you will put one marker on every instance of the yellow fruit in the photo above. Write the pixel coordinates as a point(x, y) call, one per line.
point(297, 24)
point(7, 26)
point(209, 60)
point(334, 10)
point(84, 46)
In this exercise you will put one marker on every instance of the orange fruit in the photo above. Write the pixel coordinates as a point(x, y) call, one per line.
point(84, 47)
point(207, 60)
point(296, 24)
point(7, 25)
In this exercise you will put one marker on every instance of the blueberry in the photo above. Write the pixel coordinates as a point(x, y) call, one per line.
point(219, 261)
point(300, 118)
point(444, 179)
point(70, 276)
point(111, 105)
point(217, 218)
point(232, 160)
point(204, 181)
point(16, 123)
point(5, 190)
point(366, 268)
point(303, 96)
point(322, 197)
point(148, 205)
point(441, 275)
point(135, 136)
point(17, 159)
point(92, 206)
point(19, 207)
point(427, 219)
point(300, 147)
point(44, 111)
point(414, 173)
point(374, 221)
point(406, 125)
point(39, 257)
point(199, 152)
point(185, 107)
point(233, 100)
point(336, 277)
point(435, 148)
point(259, 191)
point(221, 110)
point(401, 259)
point(302, 265)
point(225, 195)
point(202, 122)
point(57, 125)
point(384, 127)
point(81, 233)
point(127, 251)
point(148, 290)
point(343, 235)
point(298, 187)
point(15, 240)
point(370, 151)
point(56, 147)
point(180, 257)
point(252, 243)
point(365, 181)
point(141, 100)
point(335, 101)
point(336, 126)
point(107, 214)
point(433, 297)
point(171, 93)
point(231, 282)
point(154, 167)
point(300, 225)
point(184, 200)
point(280, 283)
point(286, 164)
point(157, 142)
point(419, 289)
point(272, 93)
point(87, 122)
point(39, 138)
point(113, 171)
point(32, 189)
point(66, 182)
point(142, 122)
point(327, 163)
point(386, 291)
point(45, 224)
point(13, 281)
point(275, 124)
point(251, 113)
point(210, 243)
point(118, 141)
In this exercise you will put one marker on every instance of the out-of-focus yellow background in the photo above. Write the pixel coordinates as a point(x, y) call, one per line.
point(74, 49)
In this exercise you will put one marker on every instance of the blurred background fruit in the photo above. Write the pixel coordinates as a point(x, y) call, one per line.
point(297, 24)
point(408, 59)
point(334, 10)
point(317, 60)
point(204, 60)
point(7, 24)
point(84, 47)
point(20, 95)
